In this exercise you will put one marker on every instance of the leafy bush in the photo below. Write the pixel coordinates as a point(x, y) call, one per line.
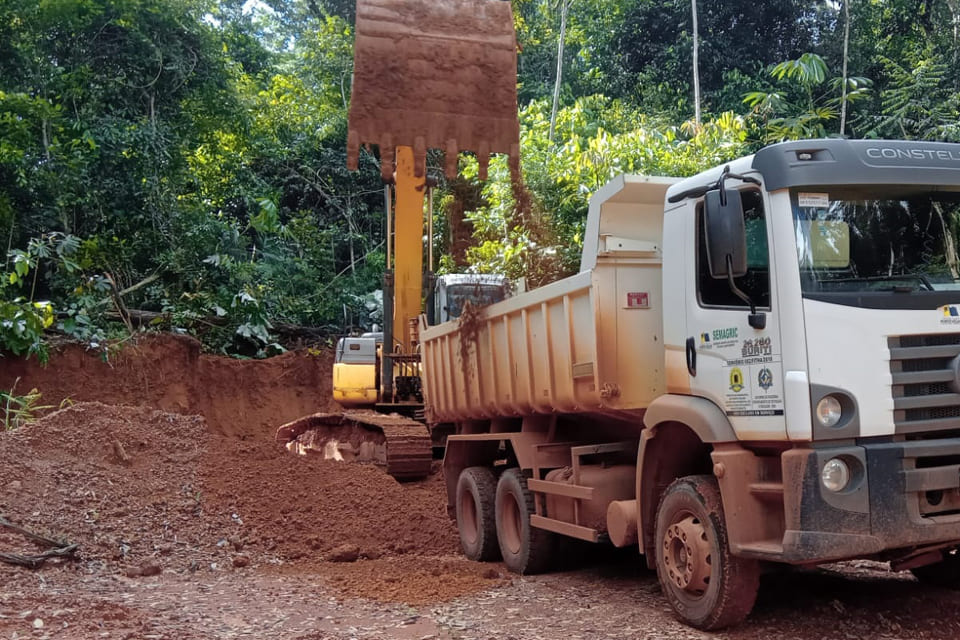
point(19, 410)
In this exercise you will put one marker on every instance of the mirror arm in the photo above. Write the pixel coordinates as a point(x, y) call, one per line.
point(756, 320)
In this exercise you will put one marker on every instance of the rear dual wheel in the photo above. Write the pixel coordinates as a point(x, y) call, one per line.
point(493, 520)
point(525, 548)
point(476, 523)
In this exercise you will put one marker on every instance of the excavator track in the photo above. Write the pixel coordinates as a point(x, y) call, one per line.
point(399, 444)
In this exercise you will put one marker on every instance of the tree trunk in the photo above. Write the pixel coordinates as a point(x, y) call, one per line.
point(46, 138)
point(564, 5)
point(954, 6)
point(349, 215)
point(696, 64)
point(846, 47)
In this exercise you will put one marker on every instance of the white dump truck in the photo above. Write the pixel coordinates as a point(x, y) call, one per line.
point(758, 364)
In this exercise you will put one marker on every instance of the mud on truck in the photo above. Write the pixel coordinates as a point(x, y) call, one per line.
point(758, 364)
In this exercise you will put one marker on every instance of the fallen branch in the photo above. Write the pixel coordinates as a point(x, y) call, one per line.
point(36, 561)
point(59, 548)
point(149, 279)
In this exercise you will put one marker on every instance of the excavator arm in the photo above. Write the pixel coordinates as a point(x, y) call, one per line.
point(428, 74)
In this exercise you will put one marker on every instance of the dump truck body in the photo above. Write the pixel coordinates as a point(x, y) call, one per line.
point(760, 367)
point(569, 347)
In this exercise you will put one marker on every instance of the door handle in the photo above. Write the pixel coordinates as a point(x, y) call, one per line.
point(692, 356)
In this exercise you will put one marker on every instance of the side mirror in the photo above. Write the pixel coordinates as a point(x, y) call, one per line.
point(725, 233)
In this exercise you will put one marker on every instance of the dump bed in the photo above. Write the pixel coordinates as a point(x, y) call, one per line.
point(589, 343)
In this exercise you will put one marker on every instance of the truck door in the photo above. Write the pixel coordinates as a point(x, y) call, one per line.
point(738, 367)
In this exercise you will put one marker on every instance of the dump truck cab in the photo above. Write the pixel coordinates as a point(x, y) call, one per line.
point(846, 368)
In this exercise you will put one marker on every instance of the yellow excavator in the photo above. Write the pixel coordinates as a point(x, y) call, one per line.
point(428, 74)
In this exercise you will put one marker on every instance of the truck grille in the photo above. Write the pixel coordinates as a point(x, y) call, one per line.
point(924, 382)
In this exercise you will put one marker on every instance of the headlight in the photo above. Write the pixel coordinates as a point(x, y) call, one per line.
point(835, 475)
point(828, 411)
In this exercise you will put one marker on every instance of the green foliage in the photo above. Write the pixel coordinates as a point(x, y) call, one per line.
point(596, 140)
point(806, 108)
point(189, 154)
point(19, 410)
point(919, 102)
point(22, 324)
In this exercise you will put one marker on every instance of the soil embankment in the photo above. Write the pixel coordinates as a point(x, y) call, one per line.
point(239, 398)
point(162, 466)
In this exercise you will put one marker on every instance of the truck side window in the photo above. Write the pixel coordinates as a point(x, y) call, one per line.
point(756, 282)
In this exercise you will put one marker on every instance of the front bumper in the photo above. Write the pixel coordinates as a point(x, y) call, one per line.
point(904, 495)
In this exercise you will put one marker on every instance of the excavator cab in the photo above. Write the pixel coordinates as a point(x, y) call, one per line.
point(454, 291)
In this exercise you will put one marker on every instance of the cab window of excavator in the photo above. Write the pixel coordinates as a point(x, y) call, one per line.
point(715, 292)
point(479, 295)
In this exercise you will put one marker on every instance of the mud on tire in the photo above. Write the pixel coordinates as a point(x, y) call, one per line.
point(476, 524)
point(525, 549)
point(707, 587)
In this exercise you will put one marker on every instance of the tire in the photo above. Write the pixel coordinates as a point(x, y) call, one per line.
point(707, 587)
point(524, 548)
point(476, 495)
point(944, 574)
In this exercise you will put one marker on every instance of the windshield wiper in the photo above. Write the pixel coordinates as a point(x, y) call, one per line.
point(899, 288)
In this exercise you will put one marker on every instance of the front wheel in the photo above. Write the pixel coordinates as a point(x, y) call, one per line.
point(707, 586)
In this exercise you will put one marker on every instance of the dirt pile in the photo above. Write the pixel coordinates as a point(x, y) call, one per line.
point(121, 481)
point(241, 398)
point(138, 487)
point(303, 507)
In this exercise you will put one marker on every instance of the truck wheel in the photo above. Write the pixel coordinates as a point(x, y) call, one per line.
point(525, 549)
point(476, 493)
point(944, 574)
point(707, 587)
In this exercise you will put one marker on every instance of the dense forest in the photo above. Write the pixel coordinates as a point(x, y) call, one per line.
point(181, 163)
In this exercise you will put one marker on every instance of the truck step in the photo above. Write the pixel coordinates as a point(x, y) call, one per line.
point(565, 528)
point(767, 491)
point(764, 549)
point(561, 489)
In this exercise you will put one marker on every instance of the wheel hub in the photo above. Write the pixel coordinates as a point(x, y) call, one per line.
point(686, 555)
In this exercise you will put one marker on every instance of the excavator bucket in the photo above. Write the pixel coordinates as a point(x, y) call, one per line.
point(434, 74)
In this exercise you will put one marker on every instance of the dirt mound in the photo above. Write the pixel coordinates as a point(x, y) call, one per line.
point(305, 507)
point(136, 486)
point(240, 398)
point(154, 495)
point(411, 581)
point(121, 481)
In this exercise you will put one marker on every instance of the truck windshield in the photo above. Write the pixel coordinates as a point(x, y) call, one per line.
point(479, 295)
point(860, 248)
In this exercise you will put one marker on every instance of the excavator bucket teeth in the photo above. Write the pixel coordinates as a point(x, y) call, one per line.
point(434, 74)
point(399, 444)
